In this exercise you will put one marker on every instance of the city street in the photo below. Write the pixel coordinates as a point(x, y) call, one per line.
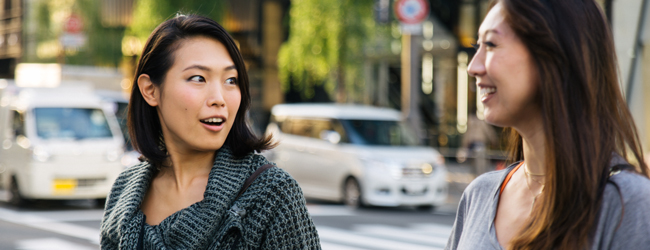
point(74, 225)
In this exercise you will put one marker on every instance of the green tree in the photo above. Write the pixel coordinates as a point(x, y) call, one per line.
point(150, 13)
point(325, 46)
point(103, 44)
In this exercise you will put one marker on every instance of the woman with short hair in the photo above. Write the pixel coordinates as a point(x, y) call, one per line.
point(201, 185)
point(546, 69)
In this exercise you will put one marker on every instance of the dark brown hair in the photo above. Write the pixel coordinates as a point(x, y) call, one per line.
point(585, 117)
point(157, 58)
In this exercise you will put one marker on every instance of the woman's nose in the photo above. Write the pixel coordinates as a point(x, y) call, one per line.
point(215, 98)
point(476, 67)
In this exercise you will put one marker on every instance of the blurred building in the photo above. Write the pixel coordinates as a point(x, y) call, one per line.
point(11, 26)
point(258, 27)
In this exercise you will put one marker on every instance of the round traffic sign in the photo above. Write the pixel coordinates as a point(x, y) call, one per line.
point(73, 24)
point(411, 11)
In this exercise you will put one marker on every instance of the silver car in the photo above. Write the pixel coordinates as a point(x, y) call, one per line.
point(360, 155)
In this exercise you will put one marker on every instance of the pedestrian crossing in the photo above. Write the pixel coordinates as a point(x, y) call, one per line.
point(49, 244)
point(416, 236)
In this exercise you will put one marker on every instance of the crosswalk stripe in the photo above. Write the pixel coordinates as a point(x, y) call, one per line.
point(328, 234)
point(329, 210)
point(433, 229)
point(76, 215)
point(48, 244)
point(402, 234)
point(46, 224)
point(334, 246)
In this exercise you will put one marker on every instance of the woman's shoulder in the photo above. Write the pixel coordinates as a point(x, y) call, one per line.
point(630, 187)
point(273, 180)
point(624, 211)
point(276, 176)
point(138, 170)
point(488, 181)
point(129, 177)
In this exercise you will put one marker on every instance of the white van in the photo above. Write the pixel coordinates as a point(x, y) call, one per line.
point(57, 143)
point(360, 155)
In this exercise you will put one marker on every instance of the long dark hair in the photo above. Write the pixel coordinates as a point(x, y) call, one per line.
point(585, 117)
point(157, 58)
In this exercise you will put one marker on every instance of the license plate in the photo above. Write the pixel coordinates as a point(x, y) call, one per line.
point(414, 189)
point(64, 186)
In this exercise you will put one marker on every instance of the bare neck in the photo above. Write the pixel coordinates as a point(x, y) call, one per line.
point(187, 165)
point(534, 145)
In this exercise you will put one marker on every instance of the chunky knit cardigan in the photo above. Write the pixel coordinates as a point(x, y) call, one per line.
point(271, 214)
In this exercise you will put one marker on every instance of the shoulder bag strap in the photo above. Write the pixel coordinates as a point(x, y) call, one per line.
point(252, 178)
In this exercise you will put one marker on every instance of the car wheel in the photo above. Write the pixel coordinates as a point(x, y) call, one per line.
point(16, 198)
point(100, 203)
point(426, 208)
point(352, 193)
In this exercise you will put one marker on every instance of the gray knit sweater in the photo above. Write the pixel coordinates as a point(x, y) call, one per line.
point(270, 215)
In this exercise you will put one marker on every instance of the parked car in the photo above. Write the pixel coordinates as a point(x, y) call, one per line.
point(359, 155)
point(57, 143)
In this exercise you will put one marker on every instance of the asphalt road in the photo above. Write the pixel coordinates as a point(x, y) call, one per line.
point(74, 225)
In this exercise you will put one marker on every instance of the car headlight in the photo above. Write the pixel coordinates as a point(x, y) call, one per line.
point(427, 169)
point(40, 154)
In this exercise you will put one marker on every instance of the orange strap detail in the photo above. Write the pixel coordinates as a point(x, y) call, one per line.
point(505, 182)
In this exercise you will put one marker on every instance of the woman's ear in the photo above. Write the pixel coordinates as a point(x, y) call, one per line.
point(149, 91)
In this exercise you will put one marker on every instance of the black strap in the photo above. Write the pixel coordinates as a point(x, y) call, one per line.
point(252, 178)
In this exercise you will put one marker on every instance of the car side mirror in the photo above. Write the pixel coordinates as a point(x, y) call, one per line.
point(330, 136)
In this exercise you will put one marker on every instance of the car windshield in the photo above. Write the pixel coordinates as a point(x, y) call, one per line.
point(379, 133)
point(71, 123)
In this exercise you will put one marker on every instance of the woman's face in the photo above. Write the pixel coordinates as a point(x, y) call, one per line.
point(198, 101)
point(505, 73)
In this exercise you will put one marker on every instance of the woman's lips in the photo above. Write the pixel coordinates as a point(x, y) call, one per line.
point(214, 127)
point(214, 123)
point(486, 93)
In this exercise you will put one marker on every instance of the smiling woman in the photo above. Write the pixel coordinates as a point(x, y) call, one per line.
point(546, 70)
point(187, 117)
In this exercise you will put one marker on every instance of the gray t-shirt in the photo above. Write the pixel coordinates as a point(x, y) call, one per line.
point(474, 226)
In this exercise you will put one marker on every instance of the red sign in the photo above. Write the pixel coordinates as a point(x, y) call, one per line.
point(411, 11)
point(73, 24)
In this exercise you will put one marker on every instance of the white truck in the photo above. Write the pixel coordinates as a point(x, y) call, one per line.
point(57, 144)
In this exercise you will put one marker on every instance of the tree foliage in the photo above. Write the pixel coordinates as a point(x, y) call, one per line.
point(148, 14)
point(325, 46)
point(104, 44)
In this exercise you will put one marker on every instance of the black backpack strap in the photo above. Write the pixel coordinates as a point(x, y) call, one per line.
point(252, 178)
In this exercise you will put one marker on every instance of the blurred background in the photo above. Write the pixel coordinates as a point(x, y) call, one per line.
point(406, 55)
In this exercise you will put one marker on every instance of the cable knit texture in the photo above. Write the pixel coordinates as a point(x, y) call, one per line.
point(271, 214)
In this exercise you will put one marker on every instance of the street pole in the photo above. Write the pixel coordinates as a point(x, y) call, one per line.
point(406, 75)
point(411, 84)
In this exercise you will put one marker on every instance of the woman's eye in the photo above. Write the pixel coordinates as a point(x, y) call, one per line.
point(490, 44)
point(231, 80)
point(476, 46)
point(197, 79)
